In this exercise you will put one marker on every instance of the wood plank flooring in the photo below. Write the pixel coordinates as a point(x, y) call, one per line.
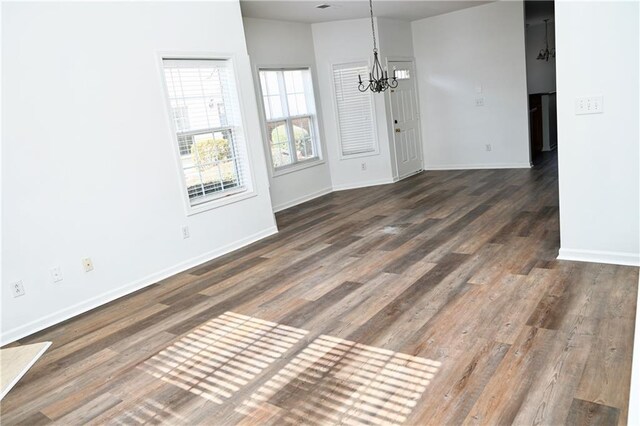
point(436, 300)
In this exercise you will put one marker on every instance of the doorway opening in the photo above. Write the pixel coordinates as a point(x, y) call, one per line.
point(541, 79)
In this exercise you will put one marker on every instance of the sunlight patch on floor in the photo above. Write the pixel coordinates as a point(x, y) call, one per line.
point(330, 380)
point(220, 357)
point(336, 381)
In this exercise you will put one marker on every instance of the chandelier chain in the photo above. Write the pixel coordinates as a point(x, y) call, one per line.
point(373, 30)
point(546, 36)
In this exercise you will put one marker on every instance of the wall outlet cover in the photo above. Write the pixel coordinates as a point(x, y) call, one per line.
point(87, 263)
point(17, 289)
point(56, 274)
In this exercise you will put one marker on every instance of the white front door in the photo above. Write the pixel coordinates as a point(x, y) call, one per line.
point(405, 119)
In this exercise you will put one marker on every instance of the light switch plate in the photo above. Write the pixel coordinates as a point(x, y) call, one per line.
point(589, 105)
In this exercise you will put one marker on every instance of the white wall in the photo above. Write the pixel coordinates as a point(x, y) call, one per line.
point(599, 154)
point(456, 53)
point(278, 43)
point(541, 75)
point(395, 38)
point(340, 42)
point(88, 159)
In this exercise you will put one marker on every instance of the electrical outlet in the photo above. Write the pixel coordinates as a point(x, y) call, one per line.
point(18, 289)
point(488, 147)
point(589, 105)
point(185, 232)
point(363, 166)
point(56, 274)
point(88, 264)
point(479, 102)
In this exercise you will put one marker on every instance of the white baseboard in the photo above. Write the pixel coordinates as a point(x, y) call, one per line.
point(301, 200)
point(616, 258)
point(87, 305)
point(477, 166)
point(341, 187)
point(344, 187)
point(408, 175)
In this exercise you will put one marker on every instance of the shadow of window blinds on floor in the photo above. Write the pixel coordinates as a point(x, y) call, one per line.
point(220, 357)
point(331, 380)
point(336, 381)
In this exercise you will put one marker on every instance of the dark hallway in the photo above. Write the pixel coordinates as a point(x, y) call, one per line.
point(541, 77)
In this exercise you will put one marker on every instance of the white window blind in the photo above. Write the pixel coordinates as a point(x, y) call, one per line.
point(355, 110)
point(205, 109)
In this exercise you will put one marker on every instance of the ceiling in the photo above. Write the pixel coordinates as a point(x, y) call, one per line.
point(306, 11)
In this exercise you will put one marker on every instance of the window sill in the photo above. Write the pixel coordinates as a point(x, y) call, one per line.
point(297, 167)
point(220, 202)
point(360, 155)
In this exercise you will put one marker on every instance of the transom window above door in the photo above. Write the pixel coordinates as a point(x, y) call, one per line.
point(402, 74)
point(290, 117)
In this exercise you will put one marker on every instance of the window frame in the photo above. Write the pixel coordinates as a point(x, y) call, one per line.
point(228, 197)
point(313, 118)
point(336, 111)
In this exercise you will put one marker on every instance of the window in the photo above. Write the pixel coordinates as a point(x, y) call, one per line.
point(402, 74)
point(205, 109)
point(355, 110)
point(290, 119)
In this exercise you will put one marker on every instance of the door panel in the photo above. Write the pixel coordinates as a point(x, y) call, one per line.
point(406, 120)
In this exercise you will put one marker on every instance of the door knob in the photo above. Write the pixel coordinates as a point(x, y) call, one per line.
point(397, 130)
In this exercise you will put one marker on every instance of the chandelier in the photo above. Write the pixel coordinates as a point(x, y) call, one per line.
point(545, 53)
point(378, 77)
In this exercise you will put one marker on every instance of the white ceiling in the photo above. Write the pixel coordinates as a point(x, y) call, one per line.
point(306, 11)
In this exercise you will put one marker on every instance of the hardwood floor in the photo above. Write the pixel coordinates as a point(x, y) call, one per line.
point(435, 300)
